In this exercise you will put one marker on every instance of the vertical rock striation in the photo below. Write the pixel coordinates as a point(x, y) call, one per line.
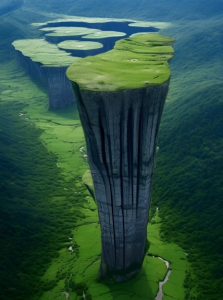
point(121, 114)
point(121, 132)
point(59, 89)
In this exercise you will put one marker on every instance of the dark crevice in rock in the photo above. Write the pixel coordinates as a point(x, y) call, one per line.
point(105, 162)
point(121, 138)
point(139, 158)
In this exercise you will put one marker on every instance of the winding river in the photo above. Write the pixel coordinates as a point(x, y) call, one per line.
point(160, 293)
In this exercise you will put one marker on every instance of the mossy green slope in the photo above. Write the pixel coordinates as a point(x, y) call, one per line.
point(134, 63)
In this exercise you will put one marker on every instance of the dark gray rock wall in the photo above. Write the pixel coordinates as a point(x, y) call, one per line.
point(59, 88)
point(53, 80)
point(121, 133)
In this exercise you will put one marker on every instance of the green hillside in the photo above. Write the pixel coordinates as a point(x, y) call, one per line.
point(31, 193)
point(189, 177)
point(189, 185)
point(144, 9)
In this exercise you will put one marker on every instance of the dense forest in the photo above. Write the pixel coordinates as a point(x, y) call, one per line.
point(189, 179)
point(189, 186)
point(33, 194)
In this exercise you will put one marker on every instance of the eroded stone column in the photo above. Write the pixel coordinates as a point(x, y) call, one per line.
point(120, 97)
point(121, 132)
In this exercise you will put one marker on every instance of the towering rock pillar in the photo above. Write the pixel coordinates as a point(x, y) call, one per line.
point(121, 95)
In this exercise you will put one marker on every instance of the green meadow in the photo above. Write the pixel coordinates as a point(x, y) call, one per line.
point(145, 55)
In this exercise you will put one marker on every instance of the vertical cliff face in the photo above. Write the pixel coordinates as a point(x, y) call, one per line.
point(121, 132)
point(121, 96)
point(59, 89)
point(53, 79)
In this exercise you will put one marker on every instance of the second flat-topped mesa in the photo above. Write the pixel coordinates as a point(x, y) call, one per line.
point(47, 64)
point(120, 96)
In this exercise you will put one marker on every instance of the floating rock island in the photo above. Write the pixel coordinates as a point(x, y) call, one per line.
point(65, 40)
point(120, 96)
